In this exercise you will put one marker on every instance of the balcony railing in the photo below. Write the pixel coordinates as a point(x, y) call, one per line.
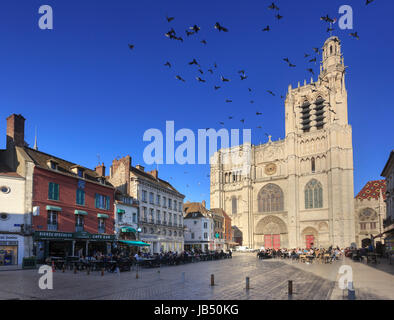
point(52, 227)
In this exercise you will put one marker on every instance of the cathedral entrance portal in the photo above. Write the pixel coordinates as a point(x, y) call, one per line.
point(272, 241)
point(271, 232)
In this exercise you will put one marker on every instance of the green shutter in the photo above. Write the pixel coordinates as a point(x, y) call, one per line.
point(56, 191)
point(108, 202)
point(50, 190)
point(96, 199)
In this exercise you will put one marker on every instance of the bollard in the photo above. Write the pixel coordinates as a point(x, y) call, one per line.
point(290, 287)
point(75, 269)
point(351, 293)
point(247, 283)
point(53, 266)
point(63, 269)
point(88, 270)
point(102, 272)
point(183, 277)
point(212, 280)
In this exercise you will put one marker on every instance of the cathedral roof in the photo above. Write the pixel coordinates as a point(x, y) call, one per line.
point(372, 190)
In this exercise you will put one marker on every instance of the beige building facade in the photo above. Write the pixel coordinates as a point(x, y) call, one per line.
point(296, 192)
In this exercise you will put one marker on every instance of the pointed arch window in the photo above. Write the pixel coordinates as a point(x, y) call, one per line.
point(234, 205)
point(313, 195)
point(270, 198)
point(313, 165)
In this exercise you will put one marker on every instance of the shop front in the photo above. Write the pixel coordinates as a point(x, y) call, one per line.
point(11, 249)
point(63, 244)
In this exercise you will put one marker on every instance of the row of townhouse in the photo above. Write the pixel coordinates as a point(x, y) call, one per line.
point(206, 230)
point(53, 207)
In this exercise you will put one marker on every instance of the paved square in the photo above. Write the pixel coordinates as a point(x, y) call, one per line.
point(268, 280)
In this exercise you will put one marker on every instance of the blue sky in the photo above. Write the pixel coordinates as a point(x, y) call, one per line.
point(89, 95)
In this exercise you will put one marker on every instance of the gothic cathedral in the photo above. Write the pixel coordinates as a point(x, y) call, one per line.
point(296, 192)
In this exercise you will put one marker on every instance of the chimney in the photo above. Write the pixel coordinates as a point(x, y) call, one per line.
point(15, 131)
point(100, 169)
point(203, 203)
point(155, 173)
point(139, 167)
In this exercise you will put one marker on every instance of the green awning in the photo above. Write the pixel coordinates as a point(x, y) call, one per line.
point(135, 243)
point(128, 229)
point(53, 208)
point(121, 211)
point(81, 212)
point(102, 215)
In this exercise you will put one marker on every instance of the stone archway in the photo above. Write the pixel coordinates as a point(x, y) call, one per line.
point(310, 237)
point(271, 232)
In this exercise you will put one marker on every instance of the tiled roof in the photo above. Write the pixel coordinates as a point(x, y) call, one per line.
point(40, 160)
point(161, 182)
point(191, 207)
point(372, 190)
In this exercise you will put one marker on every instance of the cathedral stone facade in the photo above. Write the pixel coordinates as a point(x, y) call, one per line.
point(296, 192)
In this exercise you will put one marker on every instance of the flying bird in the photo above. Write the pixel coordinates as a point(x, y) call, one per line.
point(327, 19)
point(224, 79)
point(287, 60)
point(316, 50)
point(169, 19)
point(170, 34)
point(306, 55)
point(131, 46)
point(195, 28)
point(251, 101)
point(230, 117)
point(189, 33)
point(228, 100)
point(203, 42)
point(355, 35)
point(267, 28)
point(259, 127)
point(258, 113)
point(222, 123)
point(273, 7)
point(220, 28)
point(194, 62)
point(243, 77)
point(292, 65)
point(270, 92)
point(310, 70)
point(210, 70)
point(180, 78)
point(200, 80)
point(250, 90)
point(278, 16)
point(368, 2)
point(168, 64)
point(242, 120)
point(202, 72)
point(313, 60)
point(216, 87)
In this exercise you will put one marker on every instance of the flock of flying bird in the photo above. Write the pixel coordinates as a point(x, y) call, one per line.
point(192, 30)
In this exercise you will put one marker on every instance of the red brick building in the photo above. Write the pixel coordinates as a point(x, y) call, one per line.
point(72, 205)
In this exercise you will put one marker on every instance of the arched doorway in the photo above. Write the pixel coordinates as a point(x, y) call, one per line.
point(310, 236)
point(271, 232)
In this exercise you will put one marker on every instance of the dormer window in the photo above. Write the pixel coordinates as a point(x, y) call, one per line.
point(52, 164)
point(78, 171)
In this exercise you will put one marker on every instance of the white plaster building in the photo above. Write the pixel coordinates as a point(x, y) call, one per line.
point(15, 243)
point(126, 216)
point(296, 192)
point(199, 227)
point(160, 205)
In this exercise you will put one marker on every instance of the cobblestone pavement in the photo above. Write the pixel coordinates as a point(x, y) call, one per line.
point(268, 280)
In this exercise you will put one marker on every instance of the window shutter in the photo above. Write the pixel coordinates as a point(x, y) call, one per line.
point(108, 202)
point(50, 194)
point(56, 191)
point(96, 200)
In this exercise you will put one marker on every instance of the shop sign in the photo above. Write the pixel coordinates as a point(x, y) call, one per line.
point(43, 235)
